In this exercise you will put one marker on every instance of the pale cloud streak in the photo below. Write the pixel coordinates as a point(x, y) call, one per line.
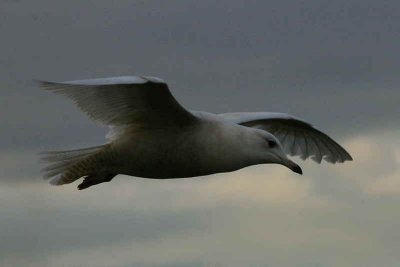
point(262, 214)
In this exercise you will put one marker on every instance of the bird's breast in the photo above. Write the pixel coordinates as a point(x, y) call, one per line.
point(177, 153)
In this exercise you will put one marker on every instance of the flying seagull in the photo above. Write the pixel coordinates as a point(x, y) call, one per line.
point(153, 136)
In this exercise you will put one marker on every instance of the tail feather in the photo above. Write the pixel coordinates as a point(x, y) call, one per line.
point(68, 166)
point(53, 156)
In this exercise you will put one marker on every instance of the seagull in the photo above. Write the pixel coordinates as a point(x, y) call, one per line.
point(152, 136)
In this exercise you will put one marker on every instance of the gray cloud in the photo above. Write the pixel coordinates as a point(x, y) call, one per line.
point(334, 63)
point(326, 61)
point(257, 216)
point(42, 231)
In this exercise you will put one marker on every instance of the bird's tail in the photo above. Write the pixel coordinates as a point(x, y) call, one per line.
point(68, 166)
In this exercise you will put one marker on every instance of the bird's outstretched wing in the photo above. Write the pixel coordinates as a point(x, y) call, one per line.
point(127, 100)
point(298, 138)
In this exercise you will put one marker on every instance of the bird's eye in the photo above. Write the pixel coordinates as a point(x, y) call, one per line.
point(271, 143)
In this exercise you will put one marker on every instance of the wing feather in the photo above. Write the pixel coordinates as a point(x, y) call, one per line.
point(298, 138)
point(117, 101)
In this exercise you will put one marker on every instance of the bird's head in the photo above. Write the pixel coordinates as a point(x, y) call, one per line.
point(273, 152)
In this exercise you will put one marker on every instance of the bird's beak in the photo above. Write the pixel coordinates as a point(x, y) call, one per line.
point(293, 166)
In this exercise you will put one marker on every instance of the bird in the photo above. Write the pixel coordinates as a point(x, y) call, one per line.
point(153, 136)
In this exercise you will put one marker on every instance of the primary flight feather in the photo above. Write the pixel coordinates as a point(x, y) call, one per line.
point(153, 136)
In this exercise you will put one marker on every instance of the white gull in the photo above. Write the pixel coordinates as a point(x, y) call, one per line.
point(153, 136)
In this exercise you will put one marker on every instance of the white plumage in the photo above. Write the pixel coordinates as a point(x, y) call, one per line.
point(153, 136)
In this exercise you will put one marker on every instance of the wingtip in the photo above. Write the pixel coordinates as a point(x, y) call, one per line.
point(350, 158)
point(347, 157)
point(42, 83)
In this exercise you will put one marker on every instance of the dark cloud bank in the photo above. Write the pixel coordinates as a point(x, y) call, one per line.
point(334, 63)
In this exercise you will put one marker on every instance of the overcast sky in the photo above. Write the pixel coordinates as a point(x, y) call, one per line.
point(333, 63)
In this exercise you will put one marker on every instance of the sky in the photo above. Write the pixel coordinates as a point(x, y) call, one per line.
point(332, 63)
